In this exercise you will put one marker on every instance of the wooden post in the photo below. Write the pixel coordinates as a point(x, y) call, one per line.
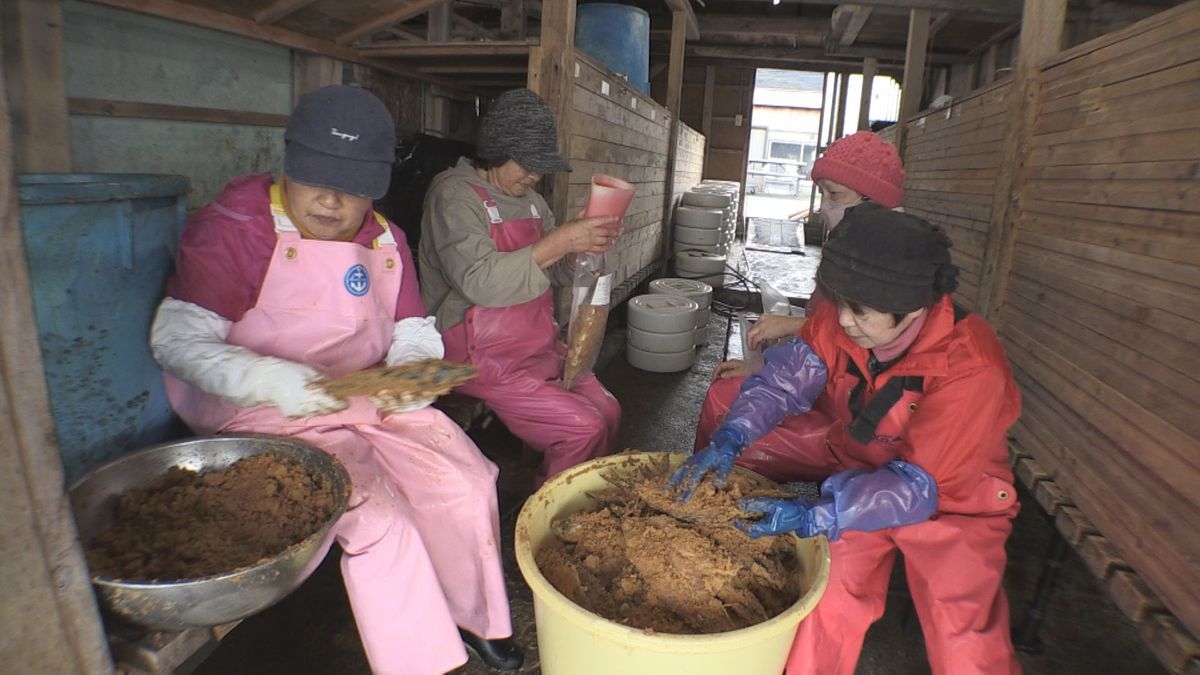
point(674, 98)
point(1041, 37)
point(839, 128)
point(556, 83)
point(710, 82)
point(987, 71)
point(313, 71)
point(437, 108)
point(512, 20)
point(914, 73)
point(870, 67)
point(48, 616)
point(37, 90)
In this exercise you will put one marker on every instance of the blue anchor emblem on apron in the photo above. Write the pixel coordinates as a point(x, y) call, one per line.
point(357, 281)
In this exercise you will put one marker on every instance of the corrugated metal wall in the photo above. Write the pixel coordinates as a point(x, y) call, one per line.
point(123, 56)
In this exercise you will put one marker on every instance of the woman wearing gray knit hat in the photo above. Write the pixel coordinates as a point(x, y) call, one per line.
point(899, 403)
point(490, 255)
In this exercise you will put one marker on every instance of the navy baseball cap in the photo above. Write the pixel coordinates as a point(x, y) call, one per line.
point(341, 137)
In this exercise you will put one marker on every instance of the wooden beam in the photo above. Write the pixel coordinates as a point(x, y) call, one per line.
point(555, 75)
point(49, 614)
point(996, 38)
point(847, 22)
point(96, 107)
point(279, 9)
point(802, 31)
point(939, 22)
point(481, 69)
point(839, 128)
point(914, 72)
point(33, 56)
point(685, 6)
point(405, 35)
point(474, 28)
point(983, 8)
point(870, 67)
point(392, 18)
point(679, 27)
point(1041, 38)
point(437, 108)
point(710, 80)
point(513, 24)
point(446, 49)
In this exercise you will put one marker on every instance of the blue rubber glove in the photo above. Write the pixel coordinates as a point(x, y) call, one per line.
point(896, 494)
point(717, 459)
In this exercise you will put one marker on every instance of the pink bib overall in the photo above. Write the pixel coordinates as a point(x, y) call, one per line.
point(520, 361)
point(421, 537)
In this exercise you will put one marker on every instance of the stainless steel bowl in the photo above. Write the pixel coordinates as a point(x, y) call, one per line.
point(221, 598)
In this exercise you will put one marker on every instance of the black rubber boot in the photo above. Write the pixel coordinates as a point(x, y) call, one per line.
point(502, 654)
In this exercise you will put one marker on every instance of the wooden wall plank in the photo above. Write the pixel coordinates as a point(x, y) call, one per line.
point(49, 615)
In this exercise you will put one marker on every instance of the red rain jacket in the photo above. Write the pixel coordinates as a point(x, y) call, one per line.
point(955, 428)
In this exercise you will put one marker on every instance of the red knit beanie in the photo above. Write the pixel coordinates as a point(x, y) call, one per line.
point(866, 164)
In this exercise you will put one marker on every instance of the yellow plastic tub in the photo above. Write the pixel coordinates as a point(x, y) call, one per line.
point(574, 641)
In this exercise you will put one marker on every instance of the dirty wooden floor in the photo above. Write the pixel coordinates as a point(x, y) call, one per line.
point(312, 632)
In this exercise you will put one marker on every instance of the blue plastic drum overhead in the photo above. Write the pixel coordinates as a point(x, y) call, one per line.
point(618, 36)
point(99, 249)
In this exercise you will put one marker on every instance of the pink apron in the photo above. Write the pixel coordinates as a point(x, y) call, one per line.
point(520, 361)
point(421, 538)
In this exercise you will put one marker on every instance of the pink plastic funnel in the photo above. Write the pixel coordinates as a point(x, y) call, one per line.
point(609, 196)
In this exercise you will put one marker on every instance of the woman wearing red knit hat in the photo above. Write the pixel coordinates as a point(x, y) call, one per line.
point(858, 168)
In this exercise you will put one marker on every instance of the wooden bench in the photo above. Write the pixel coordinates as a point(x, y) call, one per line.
point(1162, 632)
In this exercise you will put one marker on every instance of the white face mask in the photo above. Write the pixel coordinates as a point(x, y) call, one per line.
point(832, 213)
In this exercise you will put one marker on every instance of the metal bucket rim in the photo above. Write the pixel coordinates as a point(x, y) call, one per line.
point(316, 536)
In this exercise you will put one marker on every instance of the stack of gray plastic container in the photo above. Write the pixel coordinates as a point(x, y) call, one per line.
point(704, 226)
point(692, 289)
point(661, 333)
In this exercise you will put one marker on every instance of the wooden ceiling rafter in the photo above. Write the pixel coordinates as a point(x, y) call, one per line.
point(474, 28)
point(392, 18)
point(447, 49)
point(1009, 8)
point(847, 23)
point(280, 9)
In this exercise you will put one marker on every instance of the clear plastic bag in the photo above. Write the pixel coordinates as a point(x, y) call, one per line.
point(589, 315)
point(592, 286)
point(773, 302)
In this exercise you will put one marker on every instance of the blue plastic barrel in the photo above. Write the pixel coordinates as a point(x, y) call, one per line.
point(99, 249)
point(618, 36)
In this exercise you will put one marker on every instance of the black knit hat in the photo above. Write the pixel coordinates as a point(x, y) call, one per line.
point(887, 260)
point(521, 127)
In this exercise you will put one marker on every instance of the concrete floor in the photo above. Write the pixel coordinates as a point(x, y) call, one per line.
point(313, 632)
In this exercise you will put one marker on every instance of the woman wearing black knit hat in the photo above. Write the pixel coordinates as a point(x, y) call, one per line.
point(900, 404)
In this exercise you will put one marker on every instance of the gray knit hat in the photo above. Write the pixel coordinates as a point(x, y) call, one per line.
point(520, 126)
point(341, 137)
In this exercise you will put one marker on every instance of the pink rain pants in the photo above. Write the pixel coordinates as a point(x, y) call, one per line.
point(421, 538)
point(520, 362)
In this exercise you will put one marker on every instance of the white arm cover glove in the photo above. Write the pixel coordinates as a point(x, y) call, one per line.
point(188, 341)
point(413, 339)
